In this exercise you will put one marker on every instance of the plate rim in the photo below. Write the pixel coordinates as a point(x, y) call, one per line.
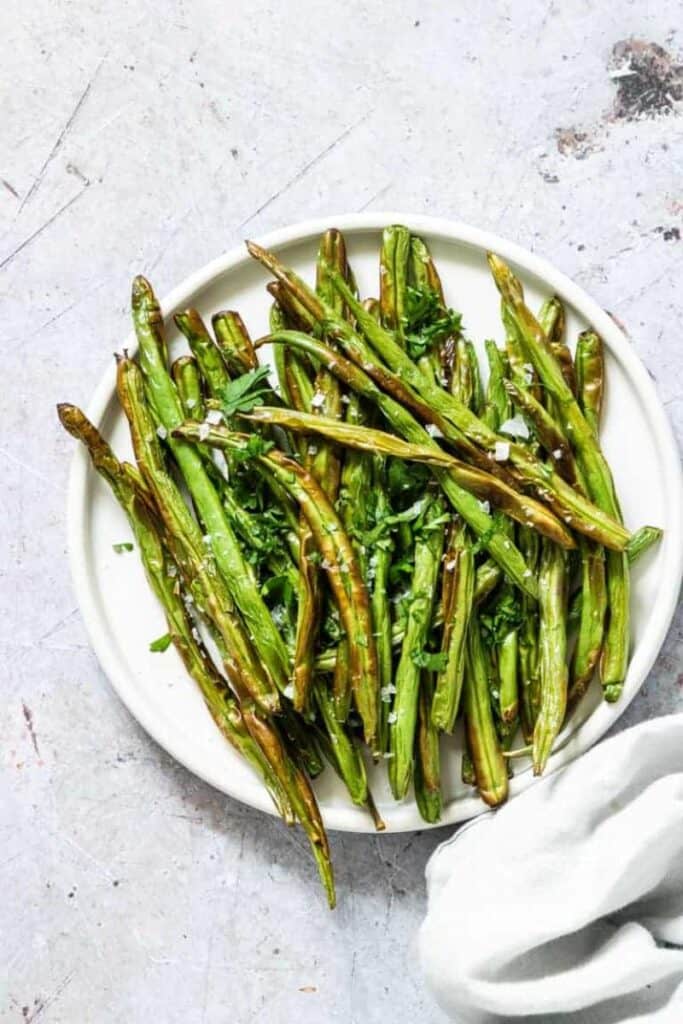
point(352, 819)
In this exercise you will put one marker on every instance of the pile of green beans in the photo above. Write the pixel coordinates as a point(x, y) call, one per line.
point(379, 545)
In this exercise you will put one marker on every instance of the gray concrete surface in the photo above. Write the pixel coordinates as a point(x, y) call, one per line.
point(150, 136)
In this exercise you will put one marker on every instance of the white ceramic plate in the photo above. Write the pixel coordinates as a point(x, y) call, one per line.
point(122, 616)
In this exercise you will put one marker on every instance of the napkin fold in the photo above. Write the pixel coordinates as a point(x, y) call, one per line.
point(563, 905)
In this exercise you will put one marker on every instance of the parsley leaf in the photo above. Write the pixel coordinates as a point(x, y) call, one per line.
point(486, 536)
point(422, 529)
point(245, 392)
point(255, 446)
point(436, 662)
point(427, 322)
point(162, 643)
point(403, 566)
point(505, 616)
point(123, 546)
point(280, 587)
point(405, 479)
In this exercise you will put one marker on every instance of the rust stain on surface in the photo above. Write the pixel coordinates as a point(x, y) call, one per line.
point(572, 142)
point(649, 80)
point(649, 84)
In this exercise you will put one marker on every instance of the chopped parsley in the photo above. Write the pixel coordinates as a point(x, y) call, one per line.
point(427, 322)
point(244, 393)
point(487, 535)
point(434, 661)
point(162, 643)
point(125, 545)
point(255, 446)
point(401, 567)
point(504, 617)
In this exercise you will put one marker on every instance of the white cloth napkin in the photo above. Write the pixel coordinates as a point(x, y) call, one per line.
point(557, 907)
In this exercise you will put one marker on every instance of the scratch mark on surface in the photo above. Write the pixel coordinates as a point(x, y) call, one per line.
point(10, 188)
point(631, 296)
point(28, 718)
point(12, 645)
point(175, 228)
point(513, 195)
point(72, 169)
point(73, 305)
point(43, 1004)
point(58, 316)
point(31, 238)
point(84, 853)
point(23, 465)
point(60, 138)
point(53, 629)
point(304, 170)
point(377, 195)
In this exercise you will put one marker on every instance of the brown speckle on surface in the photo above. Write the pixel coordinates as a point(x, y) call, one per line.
point(573, 142)
point(648, 79)
point(308, 988)
point(649, 84)
point(30, 1014)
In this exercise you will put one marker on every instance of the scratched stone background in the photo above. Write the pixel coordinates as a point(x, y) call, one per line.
point(150, 136)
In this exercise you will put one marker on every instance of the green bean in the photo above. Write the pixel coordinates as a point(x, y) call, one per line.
point(338, 559)
point(592, 621)
point(211, 593)
point(255, 738)
point(590, 377)
point(460, 567)
point(552, 642)
point(233, 342)
point(641, 541)
point(427, 778)
point(550, 435)
point(231, 563)
point(529, 681)
point(379, 565)
point(346, 757)
point(188, 381)
point(204, 349)
point(459, 480)
point(487, 758)
point(508, 653)
point(615, 652)
point(497, 408)
point(403, 722)
point(551, 317)
point(438, 406)
point(522, 372)
point(393, 278)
